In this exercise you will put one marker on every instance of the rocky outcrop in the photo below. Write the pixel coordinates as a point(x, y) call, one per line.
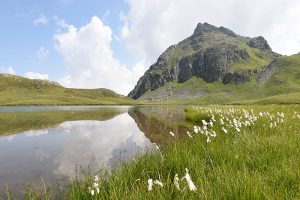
point(260, 43)
point(238, 77)
point(210, 64)
point(208, 54)
point(267, 72)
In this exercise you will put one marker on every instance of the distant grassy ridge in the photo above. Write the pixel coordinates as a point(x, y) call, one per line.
point(16, 90)
point(259, 161)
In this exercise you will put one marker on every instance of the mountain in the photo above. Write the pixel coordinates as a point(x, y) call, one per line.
point(16, 90)
point(217, 65)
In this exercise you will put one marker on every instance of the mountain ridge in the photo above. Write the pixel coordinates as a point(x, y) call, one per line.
point(210, 53)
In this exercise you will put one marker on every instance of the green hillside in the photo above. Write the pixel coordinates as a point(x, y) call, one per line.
point(16, 90)
point(282, 86)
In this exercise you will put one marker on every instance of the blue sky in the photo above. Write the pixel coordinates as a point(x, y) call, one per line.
point(21, 38)
point(110, 43)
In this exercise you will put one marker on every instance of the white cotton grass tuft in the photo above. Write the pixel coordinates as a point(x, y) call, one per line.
point(156, 146)
point(188, 133)
point(157, 182)
point(92, 192)
point(96, 178)
point(176, 181)
point(172, 134)
point(196, 130)
point(96, 185)
point(223, 129)
point(189, 181)
point(150, 184)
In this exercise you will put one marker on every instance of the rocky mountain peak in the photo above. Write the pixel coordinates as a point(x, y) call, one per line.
point(210, 53)
point(205, 27)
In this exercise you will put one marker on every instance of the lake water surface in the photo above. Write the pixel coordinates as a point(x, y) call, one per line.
point(48, 142)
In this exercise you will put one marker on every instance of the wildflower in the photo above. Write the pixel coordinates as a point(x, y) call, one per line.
point(96, 179)
point(208, 140)
point(150, 184)
point(221, 121)
point(196, 129)
point(92, 192)
point(237, 129)
point(96, 185)
point(223, 129)
point(156, 146)
point(204, 127)
point(189, 181)
point(214, 134)
point(204, 122)
point(98, 190)
point(188, 133)
point(176, 181)
point(211, 123)
point(213, 118)
point(172, 134)
point(158, 183)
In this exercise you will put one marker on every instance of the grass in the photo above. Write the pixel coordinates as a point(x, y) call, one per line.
point(258, 162)
point(15, 90)
point(257, 60)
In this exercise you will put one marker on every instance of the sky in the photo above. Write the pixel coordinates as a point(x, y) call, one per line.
point(111, 43)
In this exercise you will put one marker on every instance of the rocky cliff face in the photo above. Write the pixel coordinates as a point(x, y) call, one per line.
point(209, 53)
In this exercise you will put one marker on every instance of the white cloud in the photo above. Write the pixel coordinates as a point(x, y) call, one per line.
point(150, 27)
point(42, 53)
point(41, 20)
point(7, 70)
point(89, 58)
point(34, 75)
point(88, 142)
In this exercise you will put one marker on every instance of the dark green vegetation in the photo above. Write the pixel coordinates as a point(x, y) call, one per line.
point(258, 162)
point(15, 90)
point(215, 65)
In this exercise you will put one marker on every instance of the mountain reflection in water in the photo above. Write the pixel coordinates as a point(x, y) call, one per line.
point(49, 144)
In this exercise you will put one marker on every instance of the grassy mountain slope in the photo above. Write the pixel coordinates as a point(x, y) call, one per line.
point(15, 90)
point(283, 86)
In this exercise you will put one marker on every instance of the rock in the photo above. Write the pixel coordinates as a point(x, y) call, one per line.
point(228, 77)
point(259, 43)
point(237, 77)
point(210, 64)
point(267, 72)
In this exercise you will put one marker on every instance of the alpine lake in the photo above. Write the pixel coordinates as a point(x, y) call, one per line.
point(47, 143)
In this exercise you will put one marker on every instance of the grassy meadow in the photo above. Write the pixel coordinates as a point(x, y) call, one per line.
point(16, 90)
point(232, 152)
